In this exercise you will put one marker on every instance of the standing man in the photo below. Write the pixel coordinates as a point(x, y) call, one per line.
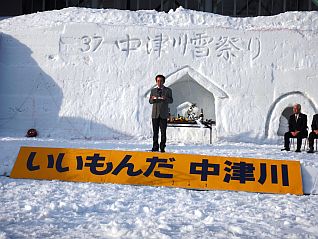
point(160, 97)
point(314, 134)
point(297, 128)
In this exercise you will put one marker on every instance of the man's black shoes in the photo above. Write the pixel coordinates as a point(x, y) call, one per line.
point(285, 149)
point(297, 151)
point(157, 150)
point(310, 151)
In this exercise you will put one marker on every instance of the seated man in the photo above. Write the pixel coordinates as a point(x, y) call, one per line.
point(297, 128)
point(314, 134)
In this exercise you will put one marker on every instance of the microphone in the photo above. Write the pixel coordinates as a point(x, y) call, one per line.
point(159, 92)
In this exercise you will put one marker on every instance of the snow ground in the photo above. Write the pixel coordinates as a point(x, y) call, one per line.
point(56, 209)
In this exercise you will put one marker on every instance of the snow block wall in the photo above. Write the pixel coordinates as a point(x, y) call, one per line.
point(85, 73)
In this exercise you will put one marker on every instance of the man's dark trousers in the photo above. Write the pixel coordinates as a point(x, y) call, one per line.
point(311, 139)
point(156, 124)
point(312, 135)
point(299, 137)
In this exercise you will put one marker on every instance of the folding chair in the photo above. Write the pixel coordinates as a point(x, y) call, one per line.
point(292, 142)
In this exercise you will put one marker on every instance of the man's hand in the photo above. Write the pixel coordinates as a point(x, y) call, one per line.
point(153, 97)
point(294, 134)
point(316, 131)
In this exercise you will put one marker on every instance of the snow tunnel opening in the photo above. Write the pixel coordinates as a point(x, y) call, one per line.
point(187, 91)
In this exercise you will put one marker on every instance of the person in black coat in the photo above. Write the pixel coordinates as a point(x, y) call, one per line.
point(314, 134)
point(297, 128)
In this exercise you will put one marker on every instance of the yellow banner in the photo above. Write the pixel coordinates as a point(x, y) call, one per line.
point(159, 169)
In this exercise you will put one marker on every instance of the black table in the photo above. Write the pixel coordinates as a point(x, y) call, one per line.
point(207, 125)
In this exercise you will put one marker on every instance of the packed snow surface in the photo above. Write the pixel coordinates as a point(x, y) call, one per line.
point(55, 209)
point(180, 17)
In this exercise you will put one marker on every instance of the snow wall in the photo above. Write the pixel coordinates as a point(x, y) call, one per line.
point(85, 73)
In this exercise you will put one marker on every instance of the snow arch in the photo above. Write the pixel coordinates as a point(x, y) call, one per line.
point(281, 104)
point(189, 85)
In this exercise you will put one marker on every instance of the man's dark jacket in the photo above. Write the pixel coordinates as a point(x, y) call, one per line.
point(160, 107)
point(314, 124)
point(300, 125)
